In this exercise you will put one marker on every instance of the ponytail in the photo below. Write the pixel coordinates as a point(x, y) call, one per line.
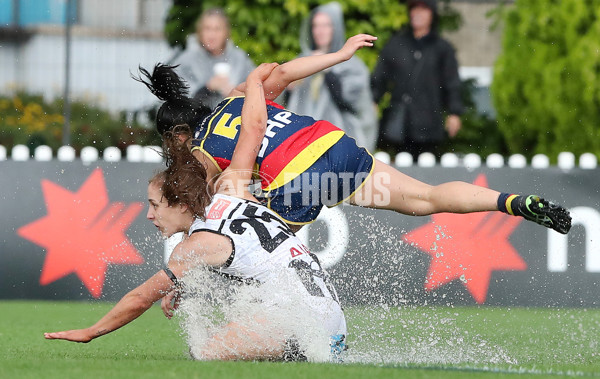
point(178, 108)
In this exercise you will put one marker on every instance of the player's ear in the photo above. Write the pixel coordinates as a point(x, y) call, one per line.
point(183, 208)
point(182, 132)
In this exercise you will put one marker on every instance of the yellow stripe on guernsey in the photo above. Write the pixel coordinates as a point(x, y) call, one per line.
point(305, 159)
point(208, 131)
point(255, 172)
point(207, 155)
point(508, 202)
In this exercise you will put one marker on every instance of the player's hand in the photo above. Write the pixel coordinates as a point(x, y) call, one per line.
point(78, 335)
point(170, 303)
point(354, 43)
point(543, 212)
point(263, 71)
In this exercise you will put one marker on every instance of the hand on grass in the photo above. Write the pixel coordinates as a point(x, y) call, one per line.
point(170, 303)
point(78, 335)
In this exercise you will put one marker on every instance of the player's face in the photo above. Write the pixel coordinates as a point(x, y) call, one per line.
point(213, 34)
point(322, 31)
point(421, 16)
point(168, 219)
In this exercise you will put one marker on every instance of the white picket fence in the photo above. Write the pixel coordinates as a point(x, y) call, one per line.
point(136, 153)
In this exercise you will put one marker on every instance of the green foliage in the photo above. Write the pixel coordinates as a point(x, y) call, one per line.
point(30, 120)
point(546, 86)
point(268, 30)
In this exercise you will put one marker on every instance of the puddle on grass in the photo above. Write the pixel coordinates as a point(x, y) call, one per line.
point(413, 336)
point(377, 335)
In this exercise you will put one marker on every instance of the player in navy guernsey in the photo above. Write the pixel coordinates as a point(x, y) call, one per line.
point(301, 159)
point(234, 235)
point(293, 143)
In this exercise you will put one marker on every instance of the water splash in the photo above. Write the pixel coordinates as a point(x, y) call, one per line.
point(277, 310)
point(270, 313)
point(417, 336)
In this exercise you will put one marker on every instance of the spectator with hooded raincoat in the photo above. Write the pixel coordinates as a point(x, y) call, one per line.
point(340, 94)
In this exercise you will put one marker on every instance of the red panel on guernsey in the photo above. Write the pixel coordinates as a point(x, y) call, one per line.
point(275, 162)
point(274, 104)
point(222, 162)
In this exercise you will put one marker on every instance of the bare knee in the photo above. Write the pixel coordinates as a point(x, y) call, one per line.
point(236, 342)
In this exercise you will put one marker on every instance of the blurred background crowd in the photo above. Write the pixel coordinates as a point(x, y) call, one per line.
point(462, 76)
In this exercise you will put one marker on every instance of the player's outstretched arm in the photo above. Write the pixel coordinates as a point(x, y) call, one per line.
point(302, 67)
point(130, 307)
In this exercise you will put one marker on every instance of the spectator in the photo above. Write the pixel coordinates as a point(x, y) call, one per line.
point(420, 70)
point(213, 66)
point(341, 94)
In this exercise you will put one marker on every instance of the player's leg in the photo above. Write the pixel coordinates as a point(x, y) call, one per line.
point(375, 184)
point(237, 342)
point(388, 188)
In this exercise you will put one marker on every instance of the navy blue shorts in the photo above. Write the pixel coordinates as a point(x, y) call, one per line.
point(332, 179)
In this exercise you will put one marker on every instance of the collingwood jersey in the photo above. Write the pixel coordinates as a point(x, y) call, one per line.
point(262, 244)
point(292, 142)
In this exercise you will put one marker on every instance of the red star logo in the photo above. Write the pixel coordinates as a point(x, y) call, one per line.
point(468, 247)
point(83, 233)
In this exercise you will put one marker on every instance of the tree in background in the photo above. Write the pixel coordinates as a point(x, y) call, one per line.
point(546, 87)
point(480, 133)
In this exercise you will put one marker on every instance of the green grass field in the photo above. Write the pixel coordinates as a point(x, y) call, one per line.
point(469, 342)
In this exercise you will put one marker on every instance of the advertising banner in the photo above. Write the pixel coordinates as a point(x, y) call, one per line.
point(71, 231)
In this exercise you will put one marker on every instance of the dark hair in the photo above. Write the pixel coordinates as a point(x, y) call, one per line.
point(184, 181)
point(178, 108)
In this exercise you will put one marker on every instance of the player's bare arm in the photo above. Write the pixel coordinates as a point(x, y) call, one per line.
point(201, 248)
point(130, 307)
point(302, 67)
point(237, 176)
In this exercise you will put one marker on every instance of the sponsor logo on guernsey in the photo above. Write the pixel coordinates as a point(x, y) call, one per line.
point(216, 211)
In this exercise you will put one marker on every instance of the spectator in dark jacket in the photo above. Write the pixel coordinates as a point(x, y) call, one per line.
point(420, 70)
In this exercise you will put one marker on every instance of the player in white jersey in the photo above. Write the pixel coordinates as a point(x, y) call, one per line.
point(229, 232)
point(263, 249)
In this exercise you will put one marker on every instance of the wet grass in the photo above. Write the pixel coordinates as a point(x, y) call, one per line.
point(469, 342)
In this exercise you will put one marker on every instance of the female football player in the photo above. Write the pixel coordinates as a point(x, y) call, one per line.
point(229, 232)
point(303, 163)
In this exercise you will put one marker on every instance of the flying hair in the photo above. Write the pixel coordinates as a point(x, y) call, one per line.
point(178, 108)
point(164, 83)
